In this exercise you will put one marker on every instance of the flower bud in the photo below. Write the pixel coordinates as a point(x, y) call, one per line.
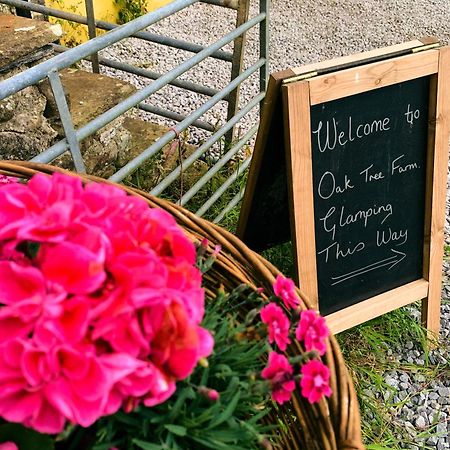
point(211, 394)
point(203, 362)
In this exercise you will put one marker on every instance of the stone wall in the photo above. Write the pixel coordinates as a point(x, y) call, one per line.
point(24, 129)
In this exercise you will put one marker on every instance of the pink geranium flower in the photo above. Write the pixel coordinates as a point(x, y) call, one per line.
point(284, 288)
point(313, 330)
point(279, 373)
point(100, 303)
point(278, 324)
point(315, 381)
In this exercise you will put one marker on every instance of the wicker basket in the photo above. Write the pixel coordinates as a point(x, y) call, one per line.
point(331, 424)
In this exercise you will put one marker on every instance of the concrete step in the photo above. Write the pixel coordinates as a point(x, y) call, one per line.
point(24, 40)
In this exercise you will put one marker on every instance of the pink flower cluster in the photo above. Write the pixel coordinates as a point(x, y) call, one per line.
point(100, 303)
point(311, 330)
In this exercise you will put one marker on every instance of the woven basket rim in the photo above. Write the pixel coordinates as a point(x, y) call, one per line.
point(331, 424)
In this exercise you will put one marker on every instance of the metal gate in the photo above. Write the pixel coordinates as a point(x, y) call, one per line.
point(235, 113)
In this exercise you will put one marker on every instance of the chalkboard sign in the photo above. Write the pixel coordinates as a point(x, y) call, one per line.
point(354, 153)
point(369, 171)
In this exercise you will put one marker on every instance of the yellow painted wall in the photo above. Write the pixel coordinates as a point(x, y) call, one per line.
point(107, 10)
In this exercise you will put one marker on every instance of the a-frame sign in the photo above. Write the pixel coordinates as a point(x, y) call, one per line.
point(350, 162)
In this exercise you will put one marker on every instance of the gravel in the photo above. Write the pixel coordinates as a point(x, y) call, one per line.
point(304, 31)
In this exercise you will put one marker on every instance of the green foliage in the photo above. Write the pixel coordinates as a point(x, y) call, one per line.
point(131, 9)
point(282, 257)
point(189, 420)
point(25, 438)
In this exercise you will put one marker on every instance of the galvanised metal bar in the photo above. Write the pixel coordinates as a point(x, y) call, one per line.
point(61, 146)
point(234, 201)
point(66, 119)
point(144, 35)
point(145, 73)
point(224, 187)
point(175, 116)
point(233, 4)
point(90, 15)
point(166, 138)
point(217, 166)
point(264, 45)
point(172, 176)
point(63, 60)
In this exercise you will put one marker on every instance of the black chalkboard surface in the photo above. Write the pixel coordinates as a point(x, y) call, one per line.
point(369, 169)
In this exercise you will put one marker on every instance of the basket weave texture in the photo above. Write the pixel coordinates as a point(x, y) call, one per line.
point(331, 424)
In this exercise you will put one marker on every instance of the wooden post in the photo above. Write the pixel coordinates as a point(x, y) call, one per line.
point(300, 182)
point(438, 163)
point(236, 65)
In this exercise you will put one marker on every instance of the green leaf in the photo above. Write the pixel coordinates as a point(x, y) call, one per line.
point(176, 429)
point(184, 394)
point(147, 445)
point(227, 412)
point(25, 438)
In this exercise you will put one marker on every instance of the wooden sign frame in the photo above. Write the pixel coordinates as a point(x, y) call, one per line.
point(320, 83)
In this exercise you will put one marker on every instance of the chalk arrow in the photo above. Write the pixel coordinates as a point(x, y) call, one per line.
point(391, 262)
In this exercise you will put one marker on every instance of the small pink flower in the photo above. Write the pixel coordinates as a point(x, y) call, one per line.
point(279, 373)
point(285, 289)
point(278, 324)
point(313, 331)
point(8, 446)
point(7, 180)
point(315, 381)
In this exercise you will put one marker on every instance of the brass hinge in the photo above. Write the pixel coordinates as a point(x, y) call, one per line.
point(303, 76)
point(426, 47)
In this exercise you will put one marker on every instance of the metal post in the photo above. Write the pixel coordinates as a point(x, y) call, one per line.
point(92, 33)
point(66, 119)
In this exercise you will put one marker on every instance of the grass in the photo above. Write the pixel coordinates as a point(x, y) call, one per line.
point(140, 179)
point(367, 350)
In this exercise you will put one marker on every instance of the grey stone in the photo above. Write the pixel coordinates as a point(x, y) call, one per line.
point(26, 132)
point(390, 381)
point(420, 423)
point(444, 391)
